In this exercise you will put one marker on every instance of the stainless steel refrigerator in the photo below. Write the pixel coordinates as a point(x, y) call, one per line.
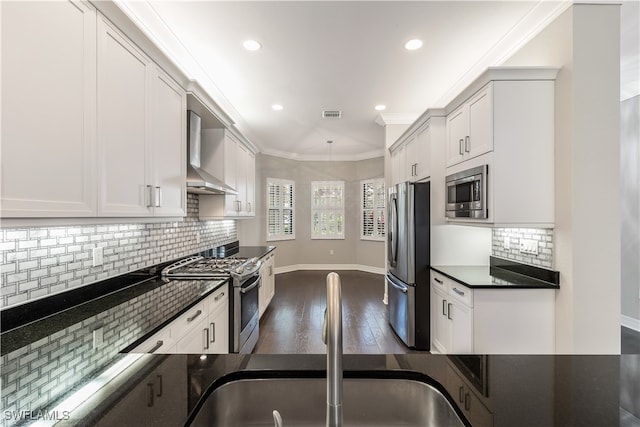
point(408, 260)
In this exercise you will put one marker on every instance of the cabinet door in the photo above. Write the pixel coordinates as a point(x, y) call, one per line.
point(48, 109)
point(441, 326)
point(196, 341)
point(480, 134)
point(230, 175)
point(219, 331)
point(461, 328)
point(169, 149)
point(251, 184)
point(123, 89)
point(241, 179)
point(422, 154)
point(457, 124)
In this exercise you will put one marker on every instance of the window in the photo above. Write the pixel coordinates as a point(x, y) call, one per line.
point(280, 209)
point(327, 209)
point(372, 204)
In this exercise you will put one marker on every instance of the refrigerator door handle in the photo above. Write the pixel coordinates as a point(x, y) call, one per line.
point(402, 288)
point(393, 232)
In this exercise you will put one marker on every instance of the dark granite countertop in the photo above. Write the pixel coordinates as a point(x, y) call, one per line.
point(501, 274)
point(523, 390)
point(254, 251)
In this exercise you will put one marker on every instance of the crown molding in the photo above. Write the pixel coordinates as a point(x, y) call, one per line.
point(384, 119)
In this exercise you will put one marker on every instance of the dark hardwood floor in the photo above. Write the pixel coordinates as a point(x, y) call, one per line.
point(293, 321)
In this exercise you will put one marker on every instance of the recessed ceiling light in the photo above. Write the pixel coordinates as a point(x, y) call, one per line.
point(277, 107)
point(380, 107)
point(251, 45)
point(413, 44)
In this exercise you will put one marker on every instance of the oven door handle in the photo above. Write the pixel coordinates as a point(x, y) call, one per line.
point(250, 287)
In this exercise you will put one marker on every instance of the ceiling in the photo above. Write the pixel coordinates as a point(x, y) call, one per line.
point(334, 55)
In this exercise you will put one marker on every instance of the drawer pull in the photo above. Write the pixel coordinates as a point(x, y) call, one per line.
point(217, 298)
point(459, 292)
point(437, 280)
point(198, 313)
point(449, 311)
point(157, 346)
point(205, 339)
point(444, 307)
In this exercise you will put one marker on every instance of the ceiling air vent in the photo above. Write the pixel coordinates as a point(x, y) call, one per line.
point(331, 114)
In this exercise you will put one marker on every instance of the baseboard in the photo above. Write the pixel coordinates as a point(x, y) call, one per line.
point(330, 267)
point(631, 323)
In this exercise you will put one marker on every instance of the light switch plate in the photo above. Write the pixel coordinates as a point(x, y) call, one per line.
point(98, 257)
point(529, 246)
point(507, 243)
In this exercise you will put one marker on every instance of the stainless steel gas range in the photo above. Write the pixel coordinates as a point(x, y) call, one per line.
point(244, 276)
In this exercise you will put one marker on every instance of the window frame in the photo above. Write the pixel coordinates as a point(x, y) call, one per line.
point(281, 183)
point(315, 186)
point(379, 235)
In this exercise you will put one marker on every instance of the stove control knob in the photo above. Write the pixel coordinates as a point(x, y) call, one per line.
point(239, 269)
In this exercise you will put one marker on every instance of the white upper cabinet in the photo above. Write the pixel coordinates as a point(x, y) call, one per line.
point(411, 155)
point(224, 157)
point(470, 128)
point(48, 109)
point(141, 132)
point(108, 136)
point(168, 146)
point(124, 80)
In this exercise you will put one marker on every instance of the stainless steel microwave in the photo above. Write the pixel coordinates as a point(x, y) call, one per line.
point(467, 193)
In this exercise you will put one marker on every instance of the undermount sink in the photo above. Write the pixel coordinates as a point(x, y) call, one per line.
point(376, 398)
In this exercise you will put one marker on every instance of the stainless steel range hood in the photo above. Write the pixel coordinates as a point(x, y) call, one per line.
point(198, 180)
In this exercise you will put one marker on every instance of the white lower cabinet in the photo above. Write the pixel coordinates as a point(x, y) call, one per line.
point(268, 282)
point(452, 317)
point(202, 329)
point(490, 320)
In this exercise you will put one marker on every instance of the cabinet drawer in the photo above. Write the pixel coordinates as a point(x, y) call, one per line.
point(188, 320)
point(159, 343)
point(219, 298)
point(461, 293)
point(439, 282)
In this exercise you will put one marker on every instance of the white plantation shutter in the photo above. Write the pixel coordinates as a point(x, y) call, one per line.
point(372, 196)
point(280, 209)
point(327, 209)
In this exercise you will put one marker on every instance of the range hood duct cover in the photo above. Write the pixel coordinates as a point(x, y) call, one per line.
point(198, 180)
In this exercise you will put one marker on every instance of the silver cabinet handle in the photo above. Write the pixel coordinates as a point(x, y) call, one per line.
point(217, 298)
point(449, 311)
point(461, 394)
point(248, 206)
point(158, 197)
point(157, 346)
point(150, 395)
point(150, 196)
point(467, 143)
point(159, 385)
point(212, 326)
point(437, 280)
point(461, 150)
point(270, 270)
point(459, 292)
point(191, 319)
point(444, 307)
point(467, 401)
point(205, 339)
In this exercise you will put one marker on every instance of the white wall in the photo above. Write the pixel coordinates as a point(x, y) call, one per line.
point(303, 251)
point(584, 41)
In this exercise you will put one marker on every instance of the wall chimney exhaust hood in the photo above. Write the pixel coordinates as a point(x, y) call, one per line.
point(198, 180)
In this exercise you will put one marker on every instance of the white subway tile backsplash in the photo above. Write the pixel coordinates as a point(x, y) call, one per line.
point(543, 237)
point(59, 258)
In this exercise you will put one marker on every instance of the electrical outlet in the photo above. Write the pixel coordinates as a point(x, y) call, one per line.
point(507, 243)
point(98, 338)
point(331, 252)
point(198, 238)
point(98, 257)
point(529, 246)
